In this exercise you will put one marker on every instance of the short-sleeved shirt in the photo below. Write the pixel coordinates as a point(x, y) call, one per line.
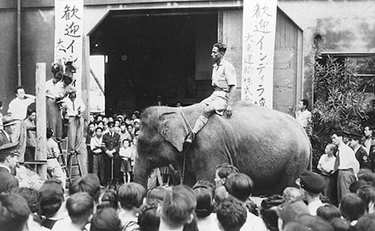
point(223, 75)
point(55, 90)
point(18, 107)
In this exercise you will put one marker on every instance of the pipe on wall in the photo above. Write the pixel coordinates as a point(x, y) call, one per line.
point(19, 79)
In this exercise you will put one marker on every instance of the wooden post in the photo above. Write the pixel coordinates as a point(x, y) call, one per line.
point(41, 119)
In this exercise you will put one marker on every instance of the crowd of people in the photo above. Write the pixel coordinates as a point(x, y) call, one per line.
point(225, 205)
point(111, 147)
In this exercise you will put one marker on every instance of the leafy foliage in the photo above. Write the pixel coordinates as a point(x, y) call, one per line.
point(339, 103)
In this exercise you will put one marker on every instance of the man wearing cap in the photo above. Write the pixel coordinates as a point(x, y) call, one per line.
point(112, 160)
point(346, 165)
point(312, 184)
point(8, 158)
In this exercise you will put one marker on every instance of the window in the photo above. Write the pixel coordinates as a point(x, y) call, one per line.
point(365, 66)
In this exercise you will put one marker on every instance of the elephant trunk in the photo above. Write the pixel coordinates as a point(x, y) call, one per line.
point(141, 171)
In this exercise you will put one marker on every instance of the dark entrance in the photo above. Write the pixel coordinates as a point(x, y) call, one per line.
point(155, 55)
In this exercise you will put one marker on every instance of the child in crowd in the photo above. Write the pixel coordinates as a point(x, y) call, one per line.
point(105, 219)
point(352, 208)
point(177, 208)
point(240, 186)
point(131, 198)
point(231, 215)
point(206, 219)
point(53, 165)
point(14, 212)
point(126, 154)
point(51, 198)
point(80, 207)
point(326, 167)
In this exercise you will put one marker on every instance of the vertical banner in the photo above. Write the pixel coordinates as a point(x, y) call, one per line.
point(69, 35)
point(259, 28)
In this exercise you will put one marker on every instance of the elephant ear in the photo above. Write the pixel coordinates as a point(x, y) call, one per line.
point(174, 129)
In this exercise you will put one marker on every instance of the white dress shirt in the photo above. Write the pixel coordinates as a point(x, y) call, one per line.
point(347, 158)
point(303, 118)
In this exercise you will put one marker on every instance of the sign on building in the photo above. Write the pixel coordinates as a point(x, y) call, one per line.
point(259, 27)
point(68, 35)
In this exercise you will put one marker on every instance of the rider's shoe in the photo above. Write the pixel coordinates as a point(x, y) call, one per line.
point(189, 138)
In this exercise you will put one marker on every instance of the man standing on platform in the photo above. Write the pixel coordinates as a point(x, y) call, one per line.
point(74, 107)
point(18, 106)
point(111, 141)
point(346, 165)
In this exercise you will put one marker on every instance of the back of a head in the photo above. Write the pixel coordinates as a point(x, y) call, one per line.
point(8, 183)
point(156, 195)
point(109, 199)
point(292, 194)
point(367, 194)
point(231, 214)
point(51, 196)
point(148, 219)
point(328, 212)
point(353, 188)
point(105, 219)
point(366, 223)
point(31, 197)
point(314, 223)
point(14, 212)
point(352, 207)
point(239, 185)
point(295, 226)
point(204, 196)
point(89, 183)
point(178, 206)
point(224, 170)
point(339, 224)
point(131, 195)
point(80, 206)
point(367, 176)
point(290, 211)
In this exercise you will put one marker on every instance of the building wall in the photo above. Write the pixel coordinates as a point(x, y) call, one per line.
point(345, 26)
point(8, 60)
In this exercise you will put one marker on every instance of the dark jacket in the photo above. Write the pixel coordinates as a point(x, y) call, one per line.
point(111, 142)
point(363, 158)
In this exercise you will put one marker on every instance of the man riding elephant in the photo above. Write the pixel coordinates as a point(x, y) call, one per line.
point(223, 82)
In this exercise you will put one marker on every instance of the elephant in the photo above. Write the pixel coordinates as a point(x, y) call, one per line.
point(267, 145)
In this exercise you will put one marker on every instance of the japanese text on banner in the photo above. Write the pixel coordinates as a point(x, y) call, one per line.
point(68, 35)
point(259, 26)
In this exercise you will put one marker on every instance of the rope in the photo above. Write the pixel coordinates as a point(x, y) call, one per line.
point(182, 177)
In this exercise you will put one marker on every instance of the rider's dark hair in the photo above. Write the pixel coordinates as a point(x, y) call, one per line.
point(221, 47)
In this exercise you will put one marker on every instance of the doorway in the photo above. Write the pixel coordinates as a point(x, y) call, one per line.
point(155, 56)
